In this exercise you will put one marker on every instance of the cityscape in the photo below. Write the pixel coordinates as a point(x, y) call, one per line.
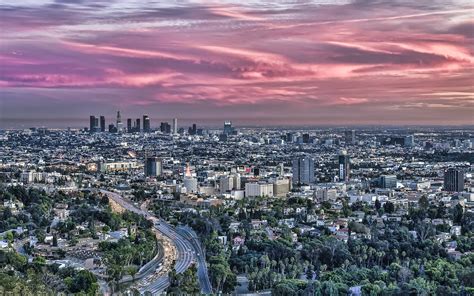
point(151, 208)
point(241, 148)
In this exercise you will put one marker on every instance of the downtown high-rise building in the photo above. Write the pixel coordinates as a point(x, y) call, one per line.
point(454, 180)
point(137, 125)
point(344, 167)
point(303, 170)
point(228, 129)
point(92, 124)
point(129, 125)
point(102, 123)
point(119, 125)
point(175, 126)
point(146, 124)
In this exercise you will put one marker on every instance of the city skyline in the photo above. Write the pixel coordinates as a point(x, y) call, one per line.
point(295, 63)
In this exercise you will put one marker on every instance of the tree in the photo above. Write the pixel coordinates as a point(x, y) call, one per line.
point(389, 207)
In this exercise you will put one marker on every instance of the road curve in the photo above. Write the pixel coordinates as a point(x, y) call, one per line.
point(188, 249)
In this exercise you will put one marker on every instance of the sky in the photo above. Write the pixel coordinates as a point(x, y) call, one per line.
point(322, 62)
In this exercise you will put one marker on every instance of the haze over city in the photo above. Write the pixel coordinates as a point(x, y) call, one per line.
point(254, 62)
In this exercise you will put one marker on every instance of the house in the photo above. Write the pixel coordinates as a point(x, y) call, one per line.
point(455, 230)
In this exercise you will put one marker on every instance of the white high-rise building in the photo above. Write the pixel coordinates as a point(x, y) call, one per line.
point(255, 189)
point(175, 126)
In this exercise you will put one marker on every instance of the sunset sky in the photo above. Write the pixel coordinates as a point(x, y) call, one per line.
point(288, 62)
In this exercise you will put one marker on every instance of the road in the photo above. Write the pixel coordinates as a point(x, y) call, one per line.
point(187, 246)
point(203, 274)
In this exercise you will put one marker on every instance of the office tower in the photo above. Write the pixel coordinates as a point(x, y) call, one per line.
point(112, 128)
point(454, 180)
point(175, 126)
point(153, 167)
point(237, 181)
point(388, 181)
point(129, 125)
point(228, 129)
point(350, 137)
point(137, 125)
point(146, 124)
point(194, 129)
point(190, 183)
point(226, 184)
point(92, 126)
point(344, 166)
point(303, 170)
point(102, 123)
point(119, 123)
point(306, 138)
point(409, 141)
point(165, 127)
point(290, 137)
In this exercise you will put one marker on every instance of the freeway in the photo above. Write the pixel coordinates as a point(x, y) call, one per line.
point(203, 274)
point(187, 246)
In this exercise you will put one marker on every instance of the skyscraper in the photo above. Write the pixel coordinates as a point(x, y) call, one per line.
point(146, 124)
point(129, 125)
point(92, 126)
point(165, 127)
point(175, 126)
point(153, 167)
point(344, 166)
point(119, 125)
point(303, 170)
point(228, 129)
point(454, 180)
point(102, 123)
point(137, 125)
point(350, 137)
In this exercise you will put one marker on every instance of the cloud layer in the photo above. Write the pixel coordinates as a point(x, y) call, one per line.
point(306, 62)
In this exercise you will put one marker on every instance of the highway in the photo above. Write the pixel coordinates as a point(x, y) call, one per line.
point(203, 274)
point(187, 245)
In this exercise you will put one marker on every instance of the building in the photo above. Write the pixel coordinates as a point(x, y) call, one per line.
point(137, 126)
point(409, 141)
point(102, 124)
point(228, 129)
point(117, 166)
point(306, 138)
point(303, 170)
point(190, 183)
point(254, 189)
point(388, 181)
point(226, 184)
point(153, 167)
point(92, 124)
point(325, 194)
point(146, 124)
point(129, 125)
point(344, 166)
point(119, 125)
point(165, 127)
point(454, 180)
point(175, 126)
point(281, 187)
point(350, 137)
